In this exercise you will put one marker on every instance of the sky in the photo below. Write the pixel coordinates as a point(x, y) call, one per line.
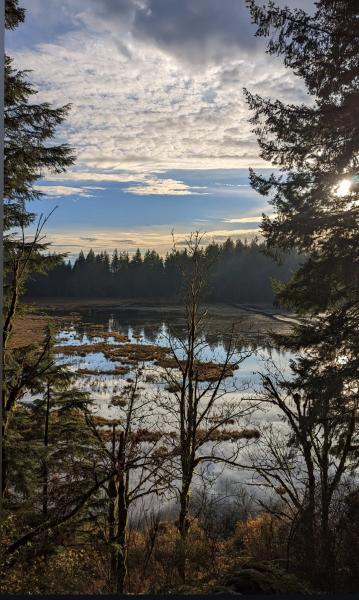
point(158, 118)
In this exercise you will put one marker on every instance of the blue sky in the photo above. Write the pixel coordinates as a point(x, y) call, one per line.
point(158, 119)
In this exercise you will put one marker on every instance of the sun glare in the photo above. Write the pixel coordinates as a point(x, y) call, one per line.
point(344, 187)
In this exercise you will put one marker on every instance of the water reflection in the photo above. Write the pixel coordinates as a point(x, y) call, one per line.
point(154, 329)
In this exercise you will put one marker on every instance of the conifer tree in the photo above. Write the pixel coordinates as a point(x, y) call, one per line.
point(315, 199)
point(55, 467)
point(51, 453)
point(29, 127)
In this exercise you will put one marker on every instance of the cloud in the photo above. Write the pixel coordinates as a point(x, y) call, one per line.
point(165, 187)
point(232, 185)
point(157, 238)
point(57, 191)
point(198, 32)
point(143, 184)
point(94, 176)
point(235, 234)
point(194, 31)
point(150, 110)
point(244, 220)
point(126, 242)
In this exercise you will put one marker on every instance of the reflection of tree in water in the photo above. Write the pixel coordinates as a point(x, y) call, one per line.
point(152, 330)
point(95, 317)
point(139, 326)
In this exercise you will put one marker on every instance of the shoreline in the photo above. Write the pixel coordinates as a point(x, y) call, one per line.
point(137, 304)
point(254, 319)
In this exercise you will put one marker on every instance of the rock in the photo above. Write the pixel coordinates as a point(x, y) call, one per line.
point(261, 578)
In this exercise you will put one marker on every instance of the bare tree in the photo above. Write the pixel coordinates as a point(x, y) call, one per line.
point(197, 410)
point(306, 461)
point(136, 456)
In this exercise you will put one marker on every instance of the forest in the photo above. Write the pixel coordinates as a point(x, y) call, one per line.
point(236, 272)
point(126, 500)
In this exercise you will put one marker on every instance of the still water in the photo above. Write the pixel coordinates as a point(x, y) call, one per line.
point(251, 344)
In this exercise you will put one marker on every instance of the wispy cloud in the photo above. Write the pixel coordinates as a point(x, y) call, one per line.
point(148, 109)
point(123, 242)
point(57, 191)
point(159, 239)
point(142, 184)
point(256, 219)
point(156, 89)
point(165, 187)
point(97, 176)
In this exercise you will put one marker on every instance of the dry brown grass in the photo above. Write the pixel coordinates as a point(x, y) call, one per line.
point(204, 371)
point(127, 353)
point(30, 329)
point(224, 435)
point(119, 370)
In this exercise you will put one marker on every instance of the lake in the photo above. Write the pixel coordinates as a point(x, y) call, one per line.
point(91, 327)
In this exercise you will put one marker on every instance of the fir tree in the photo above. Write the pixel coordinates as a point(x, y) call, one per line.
point(29, 127)
point(315, 201)
point(51, 453)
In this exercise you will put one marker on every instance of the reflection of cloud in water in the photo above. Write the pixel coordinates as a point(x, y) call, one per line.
point(154, 330)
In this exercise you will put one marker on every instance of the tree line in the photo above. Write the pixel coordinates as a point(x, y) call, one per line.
point(237, 272)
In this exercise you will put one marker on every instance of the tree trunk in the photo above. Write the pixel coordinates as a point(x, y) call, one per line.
point(121, 546)
point(327, 555)
point(183, 529)
point(112, 494)
point(7, 407)
point(9, 318)
point(45, 469)
point(4, 427)
point(3, 459)
point(111, 490)
point(308, 519)
point(327, 561)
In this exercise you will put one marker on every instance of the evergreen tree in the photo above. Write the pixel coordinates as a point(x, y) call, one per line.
point(243, 275)
point(52, 454)
point(115, 262)
point(29, 128)
point(315, 200)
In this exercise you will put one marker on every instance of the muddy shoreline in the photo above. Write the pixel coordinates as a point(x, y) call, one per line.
point(255, 320)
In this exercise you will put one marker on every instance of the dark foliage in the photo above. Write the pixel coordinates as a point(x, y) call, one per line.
point(315, 200)
point(28, 152)
point(237, 272)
